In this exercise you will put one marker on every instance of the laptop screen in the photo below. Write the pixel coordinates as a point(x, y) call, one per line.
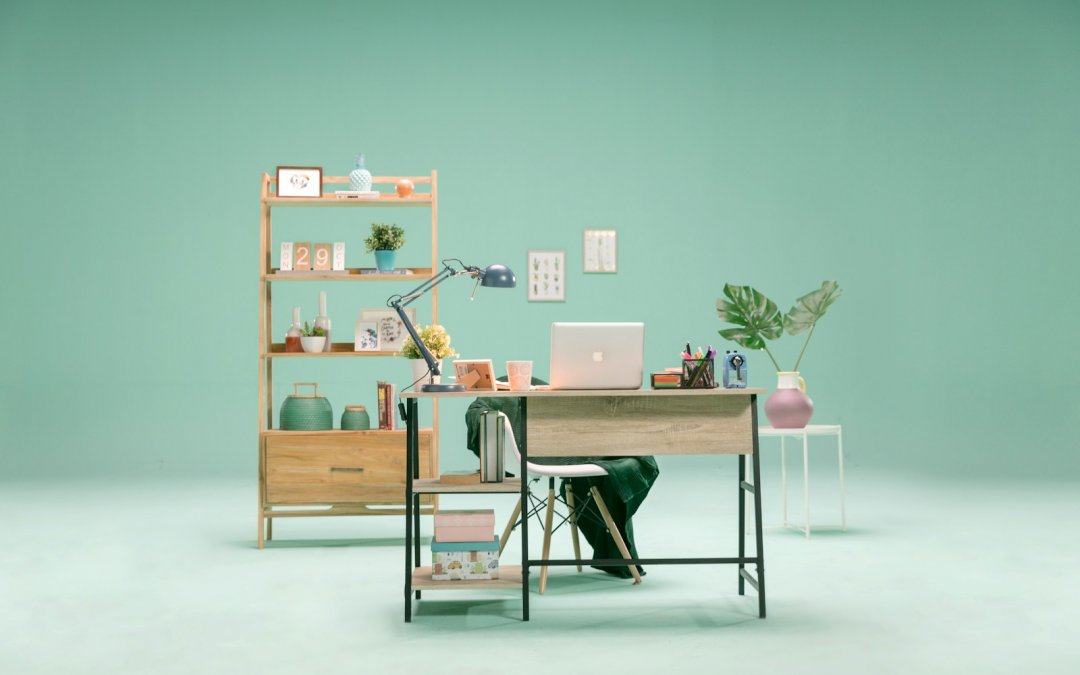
point(597, 355)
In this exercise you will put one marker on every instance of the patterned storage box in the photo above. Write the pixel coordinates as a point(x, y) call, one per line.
point(458, 561)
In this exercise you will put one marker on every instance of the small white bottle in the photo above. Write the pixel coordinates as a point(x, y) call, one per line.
point(292, 337)
point(323, 321)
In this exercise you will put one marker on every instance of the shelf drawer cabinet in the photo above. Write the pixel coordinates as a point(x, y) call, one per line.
point(339, 467)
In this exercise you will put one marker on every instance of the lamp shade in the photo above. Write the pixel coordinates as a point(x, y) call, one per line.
point(498, 276)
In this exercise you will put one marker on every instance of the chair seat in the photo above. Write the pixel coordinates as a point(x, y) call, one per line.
point(566, 470)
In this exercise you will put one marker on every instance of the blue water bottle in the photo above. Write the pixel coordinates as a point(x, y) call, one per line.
point(734, 370)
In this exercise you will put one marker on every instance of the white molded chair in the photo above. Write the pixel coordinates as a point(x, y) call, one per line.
point(561, 471)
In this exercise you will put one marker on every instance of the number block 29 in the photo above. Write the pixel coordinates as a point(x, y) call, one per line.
point(303, 256)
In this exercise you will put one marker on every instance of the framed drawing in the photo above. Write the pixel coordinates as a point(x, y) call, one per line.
point(367, 336)
point(391, 330)
point(547, 276)
point(475, 374)
point(598, 251)
point(299, 181)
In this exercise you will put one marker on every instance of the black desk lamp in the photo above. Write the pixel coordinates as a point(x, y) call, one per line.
point(494, 276)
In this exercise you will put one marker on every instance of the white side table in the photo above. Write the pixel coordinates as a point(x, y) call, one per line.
point(804, 434)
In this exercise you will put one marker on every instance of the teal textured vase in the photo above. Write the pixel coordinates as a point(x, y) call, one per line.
point(384, 260)
point(355, 418)
point(306, 413)
point(360, 178)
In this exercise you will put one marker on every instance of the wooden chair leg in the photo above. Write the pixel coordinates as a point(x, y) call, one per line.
point(269, 529)
point(260, 535)
point(509, 526)
point(547, 534)
point(573, 523)
point(615, 533)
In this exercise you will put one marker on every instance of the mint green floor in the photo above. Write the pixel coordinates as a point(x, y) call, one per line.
point(931, 577)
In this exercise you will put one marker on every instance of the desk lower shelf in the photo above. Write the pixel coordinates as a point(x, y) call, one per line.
point(434, 486)
point(509, 577)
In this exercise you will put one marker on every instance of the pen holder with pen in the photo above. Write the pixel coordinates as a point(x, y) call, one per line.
point(699, 373)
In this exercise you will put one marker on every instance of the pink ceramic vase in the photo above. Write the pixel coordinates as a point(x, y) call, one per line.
point(789, 407)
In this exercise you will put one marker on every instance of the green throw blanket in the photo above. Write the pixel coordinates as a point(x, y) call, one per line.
point(623, 489)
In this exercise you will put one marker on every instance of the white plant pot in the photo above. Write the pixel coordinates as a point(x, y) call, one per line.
point(313, 343)
point(419, 370)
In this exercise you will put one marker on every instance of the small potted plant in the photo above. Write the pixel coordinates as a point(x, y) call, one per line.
point(312, 339)
point(756, 319)
point(437, 341)
point(385, 240)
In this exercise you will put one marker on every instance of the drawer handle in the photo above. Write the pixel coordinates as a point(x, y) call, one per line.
point(349, 469)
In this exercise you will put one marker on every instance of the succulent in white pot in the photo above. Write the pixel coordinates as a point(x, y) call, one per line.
point(312, 339)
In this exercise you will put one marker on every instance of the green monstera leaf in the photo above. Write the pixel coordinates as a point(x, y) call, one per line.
point(756, 318)
point(808, 310)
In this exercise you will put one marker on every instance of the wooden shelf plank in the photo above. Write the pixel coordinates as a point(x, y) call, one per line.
point(270, 511)
point(340, 432)
point(508, 486)
point(350, 274)
point(385, 199)
point(509, 578)
point(277, 351)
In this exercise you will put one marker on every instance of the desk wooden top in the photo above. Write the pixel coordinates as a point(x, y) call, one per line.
point(554, 393)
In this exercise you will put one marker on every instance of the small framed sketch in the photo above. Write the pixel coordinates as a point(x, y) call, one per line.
point(599, 251)
point(299, 181)
point(391, 330)
point(547, 276)
point(475, 374)
point(367, 336)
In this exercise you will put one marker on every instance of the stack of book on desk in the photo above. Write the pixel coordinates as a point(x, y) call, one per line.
point(669, 378)
point(464, 546)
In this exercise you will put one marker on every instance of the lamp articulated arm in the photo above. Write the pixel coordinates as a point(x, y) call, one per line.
point(398, 303)
point(496, 276)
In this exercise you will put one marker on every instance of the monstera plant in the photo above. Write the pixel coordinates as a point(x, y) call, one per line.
point(757, 319)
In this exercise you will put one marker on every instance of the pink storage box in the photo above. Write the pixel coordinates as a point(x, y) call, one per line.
point(465, 525)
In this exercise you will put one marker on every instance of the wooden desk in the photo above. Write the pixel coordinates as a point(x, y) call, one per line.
point(600, 423)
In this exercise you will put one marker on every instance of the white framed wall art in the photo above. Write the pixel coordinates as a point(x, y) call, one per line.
point(599, 251)
point(547, 276)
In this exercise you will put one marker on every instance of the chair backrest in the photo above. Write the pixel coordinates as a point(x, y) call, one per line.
point(511, 453)
point(512, 459)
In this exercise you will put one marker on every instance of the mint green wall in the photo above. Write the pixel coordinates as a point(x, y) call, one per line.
point(924, 154)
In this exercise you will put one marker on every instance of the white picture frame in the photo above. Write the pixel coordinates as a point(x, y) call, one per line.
point(599, 251)
point(475, 374)
point(547, 275)
point(299, 181)
point(366, 338)
point(392, 331)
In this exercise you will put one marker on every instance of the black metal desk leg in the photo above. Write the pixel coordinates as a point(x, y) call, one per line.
point(742, 523)
point(410, 448)
point(757, 512)
point(524, 447)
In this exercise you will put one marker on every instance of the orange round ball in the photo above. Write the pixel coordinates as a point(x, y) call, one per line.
point(404, 187)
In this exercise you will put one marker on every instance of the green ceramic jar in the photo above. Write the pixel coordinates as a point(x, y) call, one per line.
point(306, 412)
point(355, 418)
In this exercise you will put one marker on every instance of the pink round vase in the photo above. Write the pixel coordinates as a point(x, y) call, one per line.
point(788, 407)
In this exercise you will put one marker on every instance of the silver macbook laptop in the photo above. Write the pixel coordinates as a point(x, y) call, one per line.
point(597, 355)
